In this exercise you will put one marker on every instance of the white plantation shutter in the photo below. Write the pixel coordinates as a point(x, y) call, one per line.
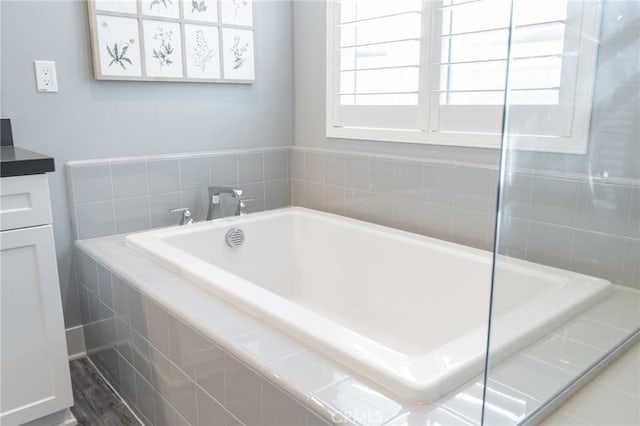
point(435, 71)
point(377, 57)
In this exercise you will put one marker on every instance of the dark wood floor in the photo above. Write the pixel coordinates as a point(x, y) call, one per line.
point(95, 403)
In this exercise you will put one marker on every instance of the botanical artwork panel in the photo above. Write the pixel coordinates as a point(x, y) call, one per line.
point(118, 6)
point(118, 46)
point(202, 51)
point(161, 8)
point(237, 48)
point(237, 12)
point(173, 40)
point(163, 48)
point(200, 10)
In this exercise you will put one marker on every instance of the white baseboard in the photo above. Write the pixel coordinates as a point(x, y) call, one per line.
point(75, 342)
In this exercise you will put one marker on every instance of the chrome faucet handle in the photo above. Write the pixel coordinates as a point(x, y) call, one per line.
point(238, 193)
point(242, 206)
point(185, 217)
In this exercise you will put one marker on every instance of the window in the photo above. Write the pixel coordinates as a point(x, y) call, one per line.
point(435, 71)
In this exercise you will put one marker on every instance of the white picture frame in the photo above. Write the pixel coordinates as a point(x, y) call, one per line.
point(195, 44)
point(202, 51)
point(200, 10)
point(162, 48)
point(238, 57)
point(237, 12)
point(118, 45)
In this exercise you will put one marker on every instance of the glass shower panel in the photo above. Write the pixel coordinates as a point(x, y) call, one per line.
point(568, 209)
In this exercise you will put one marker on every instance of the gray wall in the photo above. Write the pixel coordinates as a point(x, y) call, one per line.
point(96, 119)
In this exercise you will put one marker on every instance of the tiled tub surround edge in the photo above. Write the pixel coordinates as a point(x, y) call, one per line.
point(163, 338)
point(456, 201)
point(117, 195)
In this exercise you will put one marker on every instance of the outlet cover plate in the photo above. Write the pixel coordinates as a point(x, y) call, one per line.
point(46, 77)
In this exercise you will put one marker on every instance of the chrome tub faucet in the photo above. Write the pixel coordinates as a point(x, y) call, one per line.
point(215, 202)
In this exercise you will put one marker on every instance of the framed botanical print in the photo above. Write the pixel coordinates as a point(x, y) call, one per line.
point(210, 41)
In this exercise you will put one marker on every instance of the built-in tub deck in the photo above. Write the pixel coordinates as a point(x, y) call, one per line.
point(325, 381)
point(406, 311)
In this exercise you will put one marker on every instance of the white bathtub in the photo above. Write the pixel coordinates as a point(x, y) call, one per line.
point(406, 311)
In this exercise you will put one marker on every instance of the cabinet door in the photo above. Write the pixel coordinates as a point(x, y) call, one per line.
point(34, 367)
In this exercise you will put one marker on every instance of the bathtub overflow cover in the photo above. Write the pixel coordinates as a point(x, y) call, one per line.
point(234, 237)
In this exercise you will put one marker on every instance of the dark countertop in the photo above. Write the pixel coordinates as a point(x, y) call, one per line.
point(15, 161)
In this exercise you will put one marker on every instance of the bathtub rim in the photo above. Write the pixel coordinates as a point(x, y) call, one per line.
point(420, 385)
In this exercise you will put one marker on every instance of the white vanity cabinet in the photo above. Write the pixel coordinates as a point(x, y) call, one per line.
point(34, 370)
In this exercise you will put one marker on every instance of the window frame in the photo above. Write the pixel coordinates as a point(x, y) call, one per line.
point(429, 110)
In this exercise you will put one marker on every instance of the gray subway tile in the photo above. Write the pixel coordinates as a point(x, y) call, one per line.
point(209, 371)
point(184, 396)
point(380, 175)
point(127, 380)
point(129, 179)
point(597, 254)
point(210, 412)
point(334, 169)
point(516, 195)
point(355, 204)
point(314, 166)
point(436, 220)
point(163, 176)
point(603, 208)
point(630, 274)
point(407, 179)
point(83, 298)
point(380, 208)
point(145, 398)
point(141, 355)
point(297, 192)
point(438, 183)
point(250, 168)
point(472, 188)
point(89, 273)
point(224, 169)
point(549, 244)
point(104, 286)
point(156, 325)
point(513, 237)
point(194, 173)
point(276, 194)
point(165, 414)
point(95, 219)
point(633, 222)
point(132, 214)
point(296, 164)
point(243, 388)
point(356, 172)
point(406, 214)
point(334, 198)
point(185, 345)
point(159, 206)
point(92, 183)
point(279, 409)
point(471, 227)
point(313, 195)
point(276, 164)
point(554, 201)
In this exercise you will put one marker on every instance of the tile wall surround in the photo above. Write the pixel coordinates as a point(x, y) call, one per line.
point(180, 356)
point(119, 195)
point(592, 222)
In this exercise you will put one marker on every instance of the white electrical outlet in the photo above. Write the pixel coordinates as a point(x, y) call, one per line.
point(46, 79)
